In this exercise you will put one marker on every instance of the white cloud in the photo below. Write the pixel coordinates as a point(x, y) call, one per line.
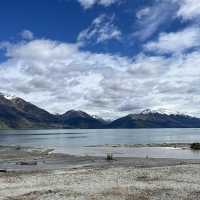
point(143, 12)
point(56, 76)
point(59, 76)
point(27, 35)
point(90, 3)
point(101, 29)
point(189, 9)
point(151, 18)
point(175, 42)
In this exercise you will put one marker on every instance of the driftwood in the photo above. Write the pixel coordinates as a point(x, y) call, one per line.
point(27, 163)
point(3, 170)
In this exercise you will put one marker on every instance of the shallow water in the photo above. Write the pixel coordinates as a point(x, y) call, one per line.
point(141, 152)
point(74, 141)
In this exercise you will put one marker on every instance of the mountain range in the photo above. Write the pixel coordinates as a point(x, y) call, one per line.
point(16, 113)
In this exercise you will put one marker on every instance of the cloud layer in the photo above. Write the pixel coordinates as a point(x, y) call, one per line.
point(59, 76)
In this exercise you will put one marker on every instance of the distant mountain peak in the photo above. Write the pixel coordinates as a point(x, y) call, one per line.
point(76, 113)
point(80, 119)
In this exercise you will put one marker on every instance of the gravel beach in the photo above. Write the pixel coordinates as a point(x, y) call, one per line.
point(61, 177)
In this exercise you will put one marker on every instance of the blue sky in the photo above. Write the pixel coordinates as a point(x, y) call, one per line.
point(63, 20)
point(107, 57)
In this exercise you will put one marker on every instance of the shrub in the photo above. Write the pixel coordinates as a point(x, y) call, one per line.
point(109, 156)
point(195, 146)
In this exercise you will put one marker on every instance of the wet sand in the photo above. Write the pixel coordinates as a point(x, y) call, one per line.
point(61, 177)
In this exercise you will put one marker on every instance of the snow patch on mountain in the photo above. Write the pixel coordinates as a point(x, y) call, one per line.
point(8, 96)
point(162, 111)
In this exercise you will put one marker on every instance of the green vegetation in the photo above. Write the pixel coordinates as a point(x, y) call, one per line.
point(3, 125)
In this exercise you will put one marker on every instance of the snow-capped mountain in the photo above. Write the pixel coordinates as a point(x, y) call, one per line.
point(18, 113)
point(15, 112)
point(156, 119)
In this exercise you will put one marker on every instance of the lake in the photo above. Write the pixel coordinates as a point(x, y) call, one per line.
point(74, 141)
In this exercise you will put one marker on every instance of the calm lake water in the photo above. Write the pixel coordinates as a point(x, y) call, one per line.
point(74, 141)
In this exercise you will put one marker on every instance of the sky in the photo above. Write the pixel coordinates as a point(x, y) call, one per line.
point(106, 57)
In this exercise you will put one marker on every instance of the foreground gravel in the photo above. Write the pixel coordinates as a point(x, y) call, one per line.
point(118, 183)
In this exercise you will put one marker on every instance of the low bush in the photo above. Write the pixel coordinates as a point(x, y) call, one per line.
point(109, 156)
point(195, 146)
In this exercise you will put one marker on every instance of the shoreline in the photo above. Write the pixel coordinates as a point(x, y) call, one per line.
point(18, 158)
point(40, 174)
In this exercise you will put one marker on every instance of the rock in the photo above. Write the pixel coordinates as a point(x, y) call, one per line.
point(18, 148)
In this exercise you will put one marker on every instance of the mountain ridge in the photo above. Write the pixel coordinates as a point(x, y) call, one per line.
point(16, 113)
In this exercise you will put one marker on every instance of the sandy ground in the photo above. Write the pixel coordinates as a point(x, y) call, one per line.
point(64, 177)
